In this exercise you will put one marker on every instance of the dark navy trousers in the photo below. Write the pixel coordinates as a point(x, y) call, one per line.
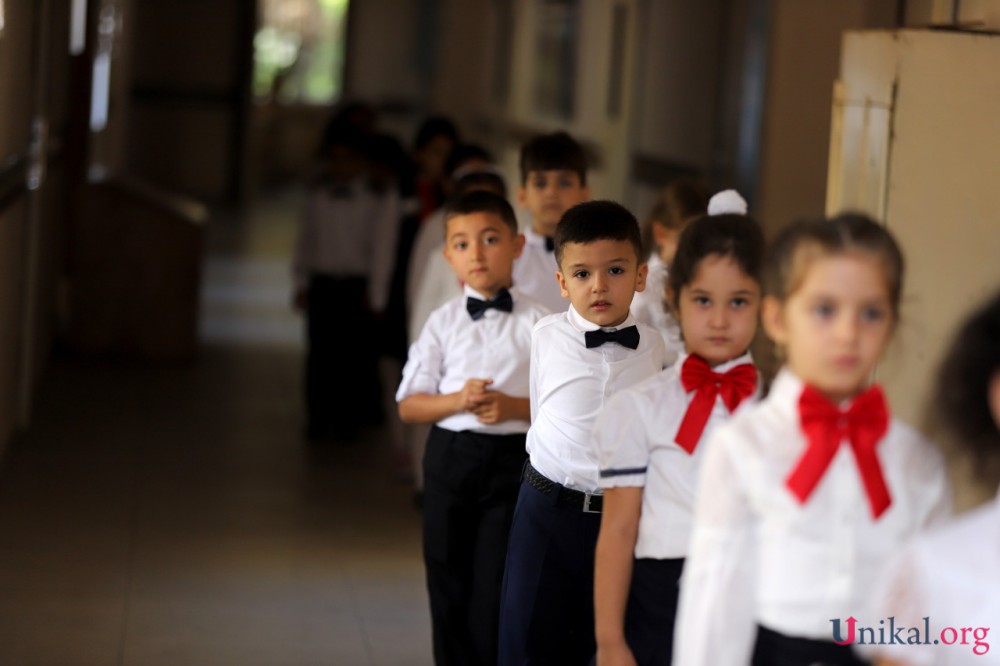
point(470, 489)
point(547, 606)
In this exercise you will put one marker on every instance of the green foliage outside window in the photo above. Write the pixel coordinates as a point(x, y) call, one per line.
point(299, 56)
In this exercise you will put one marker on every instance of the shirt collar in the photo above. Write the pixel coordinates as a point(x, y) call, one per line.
point(469, 291)
point(786, 389)
point(532, 237)
point(725, 367)
point(583, 325)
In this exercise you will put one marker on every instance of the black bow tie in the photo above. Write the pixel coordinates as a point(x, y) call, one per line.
point(550, 244)
point(626, 337)
point(478, 307)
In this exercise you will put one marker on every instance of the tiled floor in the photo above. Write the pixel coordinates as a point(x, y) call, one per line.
point(173, 515)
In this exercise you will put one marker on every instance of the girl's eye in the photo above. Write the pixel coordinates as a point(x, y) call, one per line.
point(702, 300)
point(461, 245)
point(873, 314)
point(740, 302)
point(824, 310)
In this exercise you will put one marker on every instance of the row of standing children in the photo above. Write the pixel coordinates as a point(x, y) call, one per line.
point(795, 527)
point(579, 440)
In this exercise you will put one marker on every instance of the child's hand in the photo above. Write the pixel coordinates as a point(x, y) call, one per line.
point(491, 408)
point(472, 394)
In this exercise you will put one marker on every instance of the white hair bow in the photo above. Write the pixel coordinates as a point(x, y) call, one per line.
point(727, 201)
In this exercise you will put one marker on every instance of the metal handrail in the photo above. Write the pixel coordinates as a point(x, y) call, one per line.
point(181, 207)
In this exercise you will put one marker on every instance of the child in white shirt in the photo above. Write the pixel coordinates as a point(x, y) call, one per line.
point(468, 374)
point(804, 495)
point(579, 359)
point(553, 179)
point(946, 583)
point(651, 438)
point(679, 202)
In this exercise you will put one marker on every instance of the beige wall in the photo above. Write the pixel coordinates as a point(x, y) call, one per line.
point(803, 64)
point(462, 88)
point(381, 62)
point(934, 186)
point(678, 80)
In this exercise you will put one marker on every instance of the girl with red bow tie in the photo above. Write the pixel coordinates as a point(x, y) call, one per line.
point(806, 494)
point(650, 438)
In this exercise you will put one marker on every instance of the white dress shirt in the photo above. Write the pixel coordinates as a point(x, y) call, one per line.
point(349, 236)
point(951, 575)
point(428, 241)
point(453, 348)
point(758, 556)
point(535, 273)
point(650, 308)
point(438, 285)
point(634, 435)
point(570, 384)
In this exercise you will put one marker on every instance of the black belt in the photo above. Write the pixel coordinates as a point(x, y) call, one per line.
point(567, 497)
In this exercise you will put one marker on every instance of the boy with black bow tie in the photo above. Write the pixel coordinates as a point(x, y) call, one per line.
point(553, 179)
point(468, 374)
point(579, 358)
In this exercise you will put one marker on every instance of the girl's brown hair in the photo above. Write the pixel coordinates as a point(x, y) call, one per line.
point(679, 201)
point(799, 244)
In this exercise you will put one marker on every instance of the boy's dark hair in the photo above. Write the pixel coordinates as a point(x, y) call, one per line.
point(432, 127)
point(357, 114)
point(726, 235)
point(340, 133)
point(481, 201)
point(480, 180)
point(597, 220)
point(796, 246)
point(553, 152)
point(388, 150)
point(961, 399)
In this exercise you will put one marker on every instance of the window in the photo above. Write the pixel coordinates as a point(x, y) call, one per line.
point(299, 51)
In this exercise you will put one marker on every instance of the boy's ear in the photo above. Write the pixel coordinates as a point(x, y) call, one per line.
point(772, 316)
point(518, 245)
point(640, 276)
point(561, 279)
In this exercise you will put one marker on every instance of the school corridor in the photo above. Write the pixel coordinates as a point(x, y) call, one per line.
point(174, 515)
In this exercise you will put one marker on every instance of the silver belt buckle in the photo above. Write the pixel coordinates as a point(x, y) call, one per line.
point(586, 503)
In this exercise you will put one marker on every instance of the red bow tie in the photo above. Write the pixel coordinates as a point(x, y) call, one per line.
point(825, 426)
point(734, 386)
